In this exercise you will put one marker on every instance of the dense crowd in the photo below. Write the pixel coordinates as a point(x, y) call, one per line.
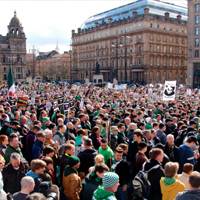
point(80, 142)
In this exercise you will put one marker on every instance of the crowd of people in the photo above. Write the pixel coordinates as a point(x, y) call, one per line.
point(81, 142)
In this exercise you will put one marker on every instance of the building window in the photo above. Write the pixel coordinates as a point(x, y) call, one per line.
point(197, 19)
point(196, 54)
point(196, 42)
point(196, 31)
point(197, 7)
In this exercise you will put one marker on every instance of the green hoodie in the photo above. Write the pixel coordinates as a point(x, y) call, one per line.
point(102, 194)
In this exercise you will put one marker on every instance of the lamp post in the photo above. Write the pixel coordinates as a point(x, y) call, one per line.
point(115, 70)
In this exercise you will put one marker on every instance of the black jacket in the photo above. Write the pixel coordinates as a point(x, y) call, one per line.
point(154, 176)
point(122, 169)
point(12, 178)
point(172, 153)
point(86, 160)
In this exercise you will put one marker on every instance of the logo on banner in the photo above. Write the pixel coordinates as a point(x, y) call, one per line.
point(169, 92)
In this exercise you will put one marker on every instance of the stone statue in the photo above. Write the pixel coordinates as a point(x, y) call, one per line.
point(97, 68)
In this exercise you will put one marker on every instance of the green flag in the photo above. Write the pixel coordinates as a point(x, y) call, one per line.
point(10, 79)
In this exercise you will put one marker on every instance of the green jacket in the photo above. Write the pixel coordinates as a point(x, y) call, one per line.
point(102, 194)
point(9, 151)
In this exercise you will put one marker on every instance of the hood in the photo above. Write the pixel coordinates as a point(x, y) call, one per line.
point(168, 185)
point(101, 193)
point(69, 170)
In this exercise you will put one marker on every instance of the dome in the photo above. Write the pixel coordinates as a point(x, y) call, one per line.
point(14, 21)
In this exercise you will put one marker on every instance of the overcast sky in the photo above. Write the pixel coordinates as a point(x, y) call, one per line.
point(47, 23)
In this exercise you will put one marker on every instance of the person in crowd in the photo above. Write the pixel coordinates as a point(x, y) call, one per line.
point(86, 157)
point(96, 137)
point(121, 168)
point(161, 133)
point(186, 152)
point(171, 150)
point(27, 186)
point(194, 191)
point(71, 181)
point(36, 196)
point(99, 159)
point(3, 195)
point(59, 137)
point(140, 157)
point(13, 173)
point(30, 139)
point(3, 144)
point(106, 151)
point(155, 172)
point(38, 146)
point(94, 180)
point(170, 186)
point(108, 188)
point(13, 147)
point(38, 168)
point(184, 177)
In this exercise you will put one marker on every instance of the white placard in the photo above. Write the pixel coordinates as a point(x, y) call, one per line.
point(169, 92)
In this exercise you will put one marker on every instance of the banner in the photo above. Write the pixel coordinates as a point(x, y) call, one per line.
point(109, 85)
point(22, 101)
point(121, 87)
point(169, 92)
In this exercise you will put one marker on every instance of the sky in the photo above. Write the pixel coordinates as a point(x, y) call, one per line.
point(49, 22)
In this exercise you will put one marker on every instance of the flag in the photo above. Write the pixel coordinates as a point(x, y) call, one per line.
point(11, 84)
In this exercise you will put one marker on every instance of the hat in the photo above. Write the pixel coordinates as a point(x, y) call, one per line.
point(110, 179)
point(73, 160)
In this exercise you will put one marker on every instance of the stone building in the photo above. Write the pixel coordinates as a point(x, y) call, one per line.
point(53, 65)
point(193, 73)
point(142, 42)
point(13, 51)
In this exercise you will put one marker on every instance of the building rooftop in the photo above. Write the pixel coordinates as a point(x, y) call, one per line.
point(156, 7)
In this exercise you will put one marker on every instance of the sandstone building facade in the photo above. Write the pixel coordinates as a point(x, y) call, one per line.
point(51, 65)
point(13, 51)
point(193, 73)
point(142, 42)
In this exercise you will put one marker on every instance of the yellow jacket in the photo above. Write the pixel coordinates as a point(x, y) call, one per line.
point(169, 192)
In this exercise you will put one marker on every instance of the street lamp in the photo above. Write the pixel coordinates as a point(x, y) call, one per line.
point(115, 71)
point(125, 55)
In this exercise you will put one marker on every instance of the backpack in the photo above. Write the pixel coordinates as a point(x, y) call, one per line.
point(141, 185)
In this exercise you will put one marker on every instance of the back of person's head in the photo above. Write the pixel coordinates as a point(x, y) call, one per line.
point(36, 196)
point(161, 126)
point(27, 182)
point(188, 168)
point(37, 164)
point(154, 153)
point(171, 169)
point(101, 168)
point(88, 142)
point(142, 145)
point(194, 180)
